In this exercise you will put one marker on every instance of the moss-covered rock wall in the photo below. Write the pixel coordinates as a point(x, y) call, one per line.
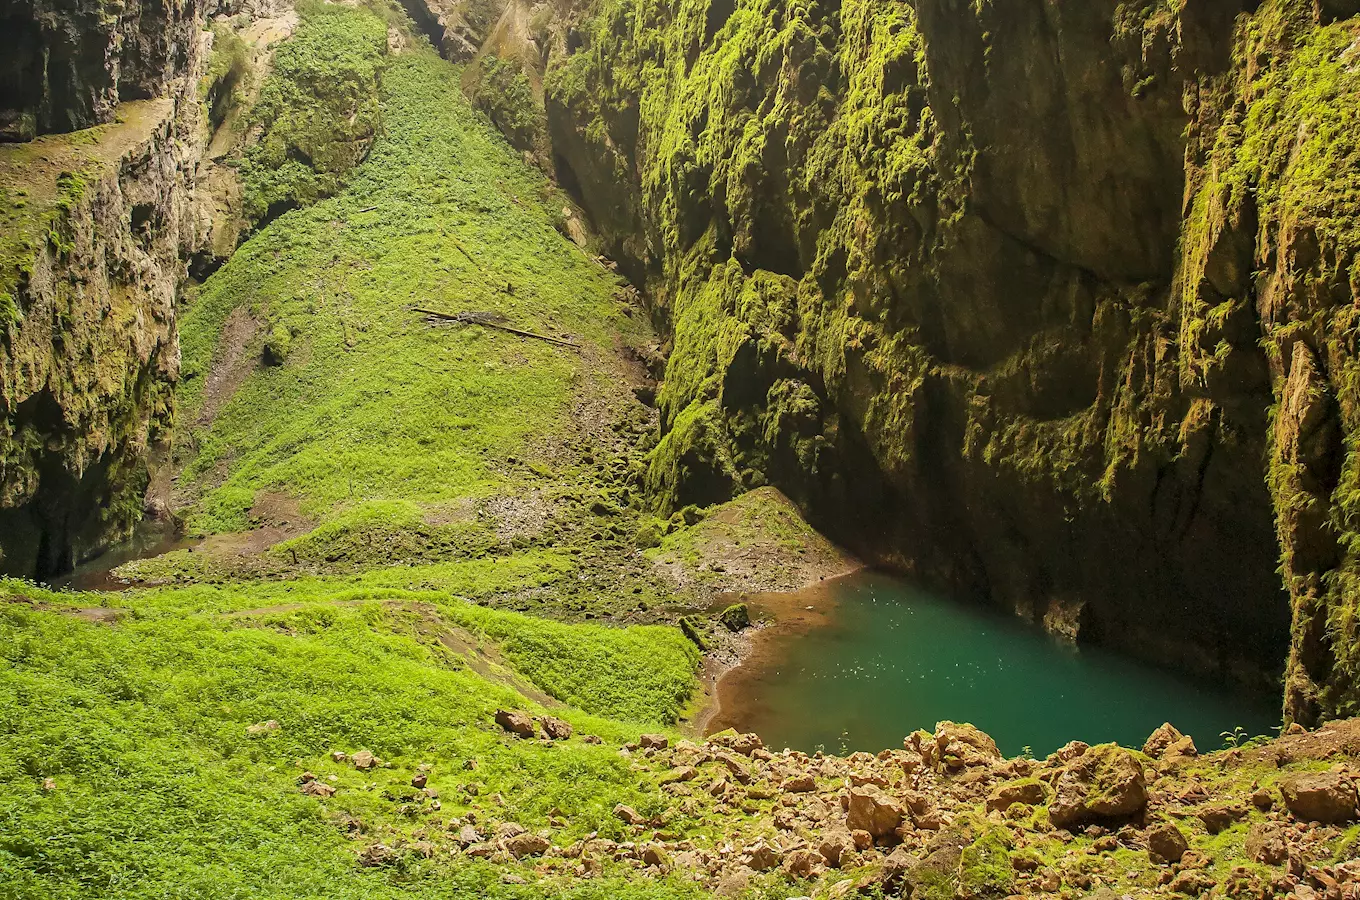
point(97, 226)
point(990, 289)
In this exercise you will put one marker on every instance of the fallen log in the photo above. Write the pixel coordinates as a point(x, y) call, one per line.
point(489, 320)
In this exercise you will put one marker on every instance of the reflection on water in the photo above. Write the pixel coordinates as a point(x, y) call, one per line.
point(883, 658)
point(149, 538)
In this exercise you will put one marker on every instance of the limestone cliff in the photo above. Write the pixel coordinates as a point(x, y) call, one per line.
point(66, 66)
point(97, 227)
point(991, 289)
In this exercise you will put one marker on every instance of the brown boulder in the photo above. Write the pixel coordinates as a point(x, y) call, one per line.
point(1105, 782)
point(1029, 792)
point(799, 784)
point(683, 773)
point(375, 855)
point(1326, 797)
point(958, 746)
point(654, 854)
point(761, 857)
point(515, 722)
point(653, 741)
point(835, 844)
point(317, 789)
point(1221, 816)
point(628, 815)
point(554, 729)
point(1169, 745)
point(364, 760)
point(1166, 843)
point(873, 811)
point(803, 863)
point(527, 844)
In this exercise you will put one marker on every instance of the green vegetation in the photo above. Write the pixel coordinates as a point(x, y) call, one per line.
point(227, 76)
point(503, 92)
point(160, 788)
point(319, 109)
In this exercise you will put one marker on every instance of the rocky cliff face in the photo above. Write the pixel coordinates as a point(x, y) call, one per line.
point(1047, 301)
point(66, 65)
point(88, 350)
point(97, 225)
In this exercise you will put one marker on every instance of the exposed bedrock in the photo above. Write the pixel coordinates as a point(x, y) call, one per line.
point(66, 64)
point(93, 259)
point(1041, 300)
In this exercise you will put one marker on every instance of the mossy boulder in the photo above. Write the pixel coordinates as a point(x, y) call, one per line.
point(736, 617)
point(1104, 784)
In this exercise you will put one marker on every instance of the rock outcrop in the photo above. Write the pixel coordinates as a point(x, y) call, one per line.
point(67, 66)
point(93, 257)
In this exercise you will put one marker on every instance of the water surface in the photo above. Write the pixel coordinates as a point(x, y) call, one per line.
point(876, 658)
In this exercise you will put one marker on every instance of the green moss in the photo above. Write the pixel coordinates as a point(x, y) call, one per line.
point(985, 865)
point(319, 109)
point(503, 92)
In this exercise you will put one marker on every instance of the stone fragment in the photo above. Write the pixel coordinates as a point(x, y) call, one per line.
point(375, 855)
point(1106, 782)
point(683, 773)
point(653, 741)
point(1030, 792)
point(515, 722)
point(527, 844)
point(1325, 797)
point(835, 844)
point(799, 784)
point(803, 863)
point(628, 815)
point(761, 856)
point(419, 780)
point(468, 835)
point(1169, 745)
point(1266, 843)
point(959, 746)
point(654, 854)
point(873, 811)
point(555, 729)
point(736, 617)
point(1221, 816)
point(317, 789)
point(262, 727)
point(364, 760)
point(1166, 843)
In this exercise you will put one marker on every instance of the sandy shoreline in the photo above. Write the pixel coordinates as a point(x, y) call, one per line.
point(779, 616)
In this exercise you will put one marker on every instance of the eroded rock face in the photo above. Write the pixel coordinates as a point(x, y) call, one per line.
point(88, 347)
point(66, 66)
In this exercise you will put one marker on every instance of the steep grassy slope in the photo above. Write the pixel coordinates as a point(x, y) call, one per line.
point(315, 395)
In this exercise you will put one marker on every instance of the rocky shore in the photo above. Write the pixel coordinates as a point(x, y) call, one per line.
point(946, 816)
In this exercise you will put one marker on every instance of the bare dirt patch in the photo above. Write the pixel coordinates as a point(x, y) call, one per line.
point(232, 364)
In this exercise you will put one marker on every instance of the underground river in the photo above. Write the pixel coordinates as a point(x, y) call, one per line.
point(859, 662)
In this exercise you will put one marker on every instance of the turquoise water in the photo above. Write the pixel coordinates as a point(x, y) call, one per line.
point(893, 658)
